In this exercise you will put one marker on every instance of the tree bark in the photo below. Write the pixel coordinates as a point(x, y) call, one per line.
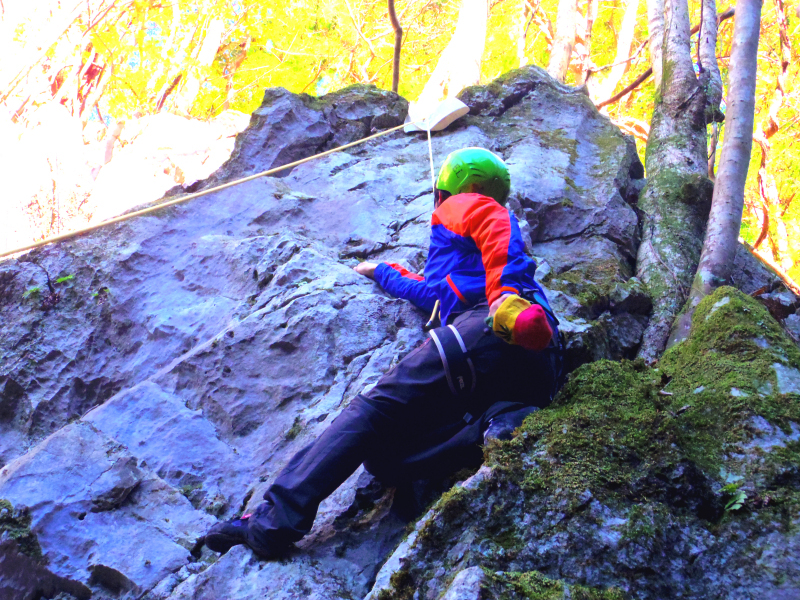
point(398, 42)
point(676, 200)
point(561, 53)
point(655, 25)
point(724, 221)
point(459, 65)
point(712, 152)
point(709, 74)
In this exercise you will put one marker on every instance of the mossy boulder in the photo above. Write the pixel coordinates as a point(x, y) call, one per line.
point(680, 480)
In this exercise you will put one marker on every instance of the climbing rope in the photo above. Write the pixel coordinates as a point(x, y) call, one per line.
point(151, 209)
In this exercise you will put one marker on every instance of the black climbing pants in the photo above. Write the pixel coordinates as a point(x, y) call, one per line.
point(409, 426)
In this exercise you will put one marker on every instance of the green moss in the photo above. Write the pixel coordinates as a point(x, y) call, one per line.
point(17, 526)
point(402, 587)
point(535, 586)
point(614, 425)
point(653, 444)
point(645, 523)
point(295, 429)
point(367, 91)
point(571, 183)
point(733, 344)
point(602, 432)
point(560, 140)
point(189, 489)
point(447, 509)
point(590, 284)
point(609, 144)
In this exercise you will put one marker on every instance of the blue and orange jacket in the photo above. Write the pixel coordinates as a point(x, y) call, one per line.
point(476, 254)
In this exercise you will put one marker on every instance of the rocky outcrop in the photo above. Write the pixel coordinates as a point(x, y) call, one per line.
point(181, 358)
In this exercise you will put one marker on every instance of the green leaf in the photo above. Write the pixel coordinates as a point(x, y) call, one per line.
point(736, 502)
point(33, 291)
point(65, 278)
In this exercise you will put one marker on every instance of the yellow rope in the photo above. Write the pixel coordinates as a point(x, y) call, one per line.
point(150, 209)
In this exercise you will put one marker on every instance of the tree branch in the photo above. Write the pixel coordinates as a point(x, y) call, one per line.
point(636, 83)
point(641, 47)
point(639, 80)
point(314, 78)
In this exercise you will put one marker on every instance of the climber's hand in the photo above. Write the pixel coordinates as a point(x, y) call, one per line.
point(517, 321)
point(496, 304)
point(367, 269)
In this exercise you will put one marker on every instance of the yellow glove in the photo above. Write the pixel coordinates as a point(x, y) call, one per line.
point(519, 322)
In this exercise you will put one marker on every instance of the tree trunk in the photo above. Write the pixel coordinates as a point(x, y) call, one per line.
point(724, 221)
point(564, 41)
point(398, 42)
point(712, 152)
point(196, 73)
point(600, 89)
point(676, 199)
point(655, 25)
point(586, 64)
point(524, 19)
point(770, 198)
point(459, 65)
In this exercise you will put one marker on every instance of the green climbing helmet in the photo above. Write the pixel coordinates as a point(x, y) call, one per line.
point(475, 170)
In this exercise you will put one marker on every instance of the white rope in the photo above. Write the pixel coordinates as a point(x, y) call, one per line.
point(430, 154)
point(150, 209)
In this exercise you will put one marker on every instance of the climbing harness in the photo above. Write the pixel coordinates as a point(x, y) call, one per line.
point(458, 366)
point(441, 116)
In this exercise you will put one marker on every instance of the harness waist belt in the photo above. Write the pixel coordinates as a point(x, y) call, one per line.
point(458, 367)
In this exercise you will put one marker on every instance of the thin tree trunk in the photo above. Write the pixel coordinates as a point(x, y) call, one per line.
point(709, 74)
point(724, 221)
point(676, 199)
point(762, 215)
point(93, 97)
point(398, 42)
point(459, 65)
point(524, 19)
point(195, 75)
point(712, 152)
point(600, 89)
point(586, 58)
point(770, 198)
point(165, 69)
point(561, 53)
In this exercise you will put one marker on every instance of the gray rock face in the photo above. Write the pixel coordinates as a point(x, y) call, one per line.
point(184, 357)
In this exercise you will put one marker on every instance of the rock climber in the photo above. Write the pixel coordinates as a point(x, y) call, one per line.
point(494, 359)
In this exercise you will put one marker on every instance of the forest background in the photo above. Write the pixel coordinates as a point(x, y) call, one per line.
point(104, 71)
